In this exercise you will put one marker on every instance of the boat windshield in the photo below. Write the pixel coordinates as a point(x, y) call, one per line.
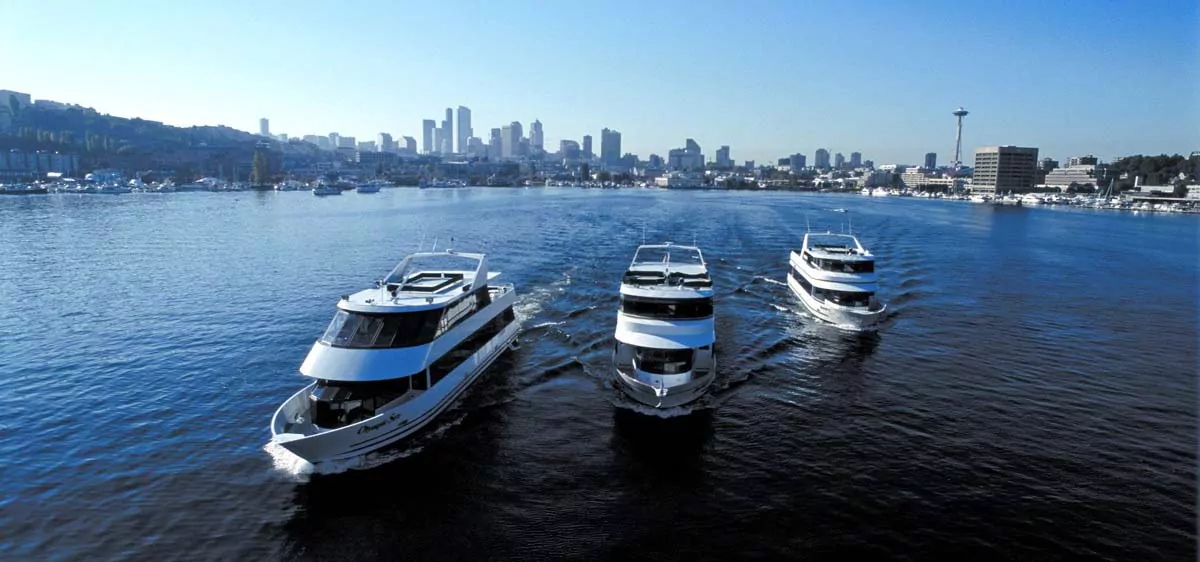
point(675, 309)
point(668, 255)
point(356, 330)
point(663, 361)
point(844, 298)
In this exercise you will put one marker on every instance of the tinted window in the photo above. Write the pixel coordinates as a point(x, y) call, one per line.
point(463, 351)
point(676, 309)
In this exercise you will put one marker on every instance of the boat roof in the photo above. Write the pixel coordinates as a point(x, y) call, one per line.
point(836, 246)
point(423, 281)
point(662, 266)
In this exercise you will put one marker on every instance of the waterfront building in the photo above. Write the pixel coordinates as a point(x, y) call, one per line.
point(855, 159)
point(569, 151)
point(438, 141)
point(1088, 160)
point(930, 160)
point(334, 141)
point(1004, 169)
point(610, 146)
point(264, 127)
point(1079, 174)
point(410, 145)
point(587, 147)
point(368, 146)
point(347, 142)
point(821, 159)
point(476, 147)
point(427, 136)
point(495, 144)
point(464, 128)
point(839, 161)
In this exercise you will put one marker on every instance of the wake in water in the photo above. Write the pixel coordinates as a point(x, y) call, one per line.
point(769, 280)
point(530, 304)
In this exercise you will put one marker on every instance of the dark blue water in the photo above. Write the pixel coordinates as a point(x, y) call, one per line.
point(1031, 397)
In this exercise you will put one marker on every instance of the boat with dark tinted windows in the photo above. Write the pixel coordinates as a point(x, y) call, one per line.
point(397, 355)
point(834, 277)
point(665, 334)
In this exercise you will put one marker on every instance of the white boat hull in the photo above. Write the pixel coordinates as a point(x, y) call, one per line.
point(663, 395)
point(841, 316)
point(389, 426)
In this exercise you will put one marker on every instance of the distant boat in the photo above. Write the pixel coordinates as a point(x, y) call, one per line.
point(839, 210)
point(326, 189)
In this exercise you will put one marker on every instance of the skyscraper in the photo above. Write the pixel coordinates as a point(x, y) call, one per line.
point(587, 146)
point(508, 142)
point(464, 128)
point(821, 159)
point(384, 143)
point(264, 127)
point(930, 160)
point(427, 128)
point(855, 159)
point(495, 144)
point(447, 144)
point(839, 161)
point(723, 160)
point(439, 142)
point(410, 145)
point(610, 146)
point(798, 162)
point(536, 137)
point(335, 140)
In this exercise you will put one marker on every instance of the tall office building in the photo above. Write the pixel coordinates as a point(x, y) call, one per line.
point(821, 159)
point(384, 143)
point(464, 128)
point(410, 145)
point(439, 143)
point(930, 160)
point(1004, 169)
point(723, 160)
point(335, 140)
point(839, 161)
point(798, 162)
point(518, 132)
point(427, 128)
point(447, 144)
point(536, 136)
point(855, 159)
point(508, 142)
point(587, 146)
point(264, 127)
point(495, 144)
point(610, 146)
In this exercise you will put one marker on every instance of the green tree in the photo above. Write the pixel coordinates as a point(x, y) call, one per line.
point(603, 176)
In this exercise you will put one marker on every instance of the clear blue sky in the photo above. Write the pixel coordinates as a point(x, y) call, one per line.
point(767, 78)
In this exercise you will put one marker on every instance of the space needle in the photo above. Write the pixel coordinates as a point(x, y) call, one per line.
point(959, 113)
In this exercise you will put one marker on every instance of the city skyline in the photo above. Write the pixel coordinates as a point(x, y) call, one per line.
point(877, 97)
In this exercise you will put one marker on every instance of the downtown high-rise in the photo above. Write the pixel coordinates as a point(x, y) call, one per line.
point(464, 128)
point(447, 144)
point(610, 147)
point(427, 136)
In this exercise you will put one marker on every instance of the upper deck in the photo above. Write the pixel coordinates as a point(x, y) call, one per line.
point(423, 281)
point(667, 267)
point(841, 247)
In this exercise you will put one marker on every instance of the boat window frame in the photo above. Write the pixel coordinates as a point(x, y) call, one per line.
point(454, 358)
point(393, 329)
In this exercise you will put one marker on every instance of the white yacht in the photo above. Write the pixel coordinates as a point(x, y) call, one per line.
point(834, 276)
point(396, 355)
point(664, 354)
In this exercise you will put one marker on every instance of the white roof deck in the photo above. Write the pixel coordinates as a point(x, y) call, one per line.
point(418, 283)
point(844, 247)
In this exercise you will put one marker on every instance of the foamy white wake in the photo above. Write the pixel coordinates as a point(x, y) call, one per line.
point(775, 281)
point(530, 304)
